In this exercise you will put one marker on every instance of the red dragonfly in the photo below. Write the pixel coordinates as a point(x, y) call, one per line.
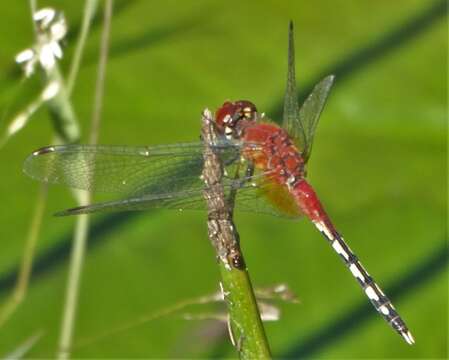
point(168, 176)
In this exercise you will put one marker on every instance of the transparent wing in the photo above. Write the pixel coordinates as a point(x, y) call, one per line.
point(165, 176)
point(310, 112)
point(301, 124)
point(290, 120)
point(123, 169)
point(253, 194)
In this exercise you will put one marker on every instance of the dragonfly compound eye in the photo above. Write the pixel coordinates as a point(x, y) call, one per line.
point(230, 113)
point(246, 109)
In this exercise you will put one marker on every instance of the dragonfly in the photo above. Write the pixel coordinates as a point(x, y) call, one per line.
point(265, 172)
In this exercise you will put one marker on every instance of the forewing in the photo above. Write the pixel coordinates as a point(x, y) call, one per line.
point(291, 108)
point(122, 169)
point(301, 123)
point(310, 112)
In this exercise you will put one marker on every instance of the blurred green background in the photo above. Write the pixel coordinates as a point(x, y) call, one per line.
point(378, 164)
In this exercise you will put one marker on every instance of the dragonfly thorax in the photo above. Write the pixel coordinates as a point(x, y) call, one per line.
point(230, 115)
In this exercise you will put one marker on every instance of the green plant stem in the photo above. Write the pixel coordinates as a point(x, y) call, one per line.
point(245, 325)
point(21, 286)
point(90, 9)
point(73, 284)
point(101, 74)
point(25, 270)
point(24, 348)
point(245, 322)
point(82, 226)
point(61, 110)
point(33, 9)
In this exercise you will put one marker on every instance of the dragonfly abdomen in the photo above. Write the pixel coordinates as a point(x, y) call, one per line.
point(310, 206)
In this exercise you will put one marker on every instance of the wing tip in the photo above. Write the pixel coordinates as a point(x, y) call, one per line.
point(72, 211)
point(328, 80)
point(43, 150)
point(28, 163)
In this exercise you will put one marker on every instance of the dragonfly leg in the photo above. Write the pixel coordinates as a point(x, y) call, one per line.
point(249, 171)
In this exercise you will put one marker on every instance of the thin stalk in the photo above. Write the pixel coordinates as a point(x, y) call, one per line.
point(90, 8)
point(21, 286)
point(73, 284)
point(245, 325)
point(24, 274)
point(166, 311)
point(101, 75)
point(81, 231)
point(65, 123)
point(33, 9)
point(280, 292)
point(24, 348)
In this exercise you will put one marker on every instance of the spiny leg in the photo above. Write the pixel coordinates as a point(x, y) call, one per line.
point(379, 300)
point(249, 172)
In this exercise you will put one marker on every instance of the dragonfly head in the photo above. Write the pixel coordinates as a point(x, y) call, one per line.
point(228, 117)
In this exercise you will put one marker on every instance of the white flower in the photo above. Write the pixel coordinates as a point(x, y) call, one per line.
point(58, 30)
point(50, 91)
point(47, 56)
point(27, 58)
point(24, 55)
point(44, 17)
point(51, 29)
